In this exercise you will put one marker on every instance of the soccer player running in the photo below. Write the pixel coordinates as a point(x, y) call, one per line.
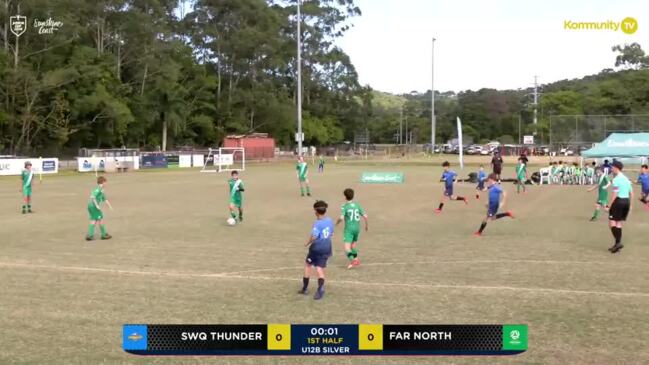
point(497, 199)
point(97, 197)
point(236, 199)
point(482, 177)
point(321, 163)
point(521, 176)
point(621, 205)
point(449, 178)
point(643, 180)
point(603, 182)
point(26, 178)
point(320, 250)
point(351, 212)
point(302, 171)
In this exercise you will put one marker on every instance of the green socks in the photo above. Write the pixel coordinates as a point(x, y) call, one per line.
point(91, 230)
point(302, 191)
point(596, 214)
point(24, 209)
point(308, 190)
point(29, 208)
point(102, 228)
point(233, 215)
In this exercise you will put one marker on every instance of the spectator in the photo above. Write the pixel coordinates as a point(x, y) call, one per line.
point(497, 164)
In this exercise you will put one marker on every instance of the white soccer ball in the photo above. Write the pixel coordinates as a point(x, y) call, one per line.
point(231, 221)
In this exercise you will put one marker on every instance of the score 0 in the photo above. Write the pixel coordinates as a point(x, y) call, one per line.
point(370, 337)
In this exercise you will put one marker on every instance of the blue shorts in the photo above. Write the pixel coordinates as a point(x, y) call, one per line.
point(317, 259)
point(480, 185)
point(493, 210)
point(448, 191)
point(645, 192)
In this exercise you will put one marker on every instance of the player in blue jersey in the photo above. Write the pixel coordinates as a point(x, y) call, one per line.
point(497, 198)
point(643, 180)
point(319, 244)
point(482, 178)
point(449, 179)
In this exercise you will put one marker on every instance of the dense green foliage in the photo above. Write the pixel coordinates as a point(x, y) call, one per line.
point(141, 73)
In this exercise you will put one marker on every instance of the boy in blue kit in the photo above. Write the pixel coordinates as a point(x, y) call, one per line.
point(643, 180)
point(482, 177)
point(449, 178)
point(319, 244)
point(495, 203)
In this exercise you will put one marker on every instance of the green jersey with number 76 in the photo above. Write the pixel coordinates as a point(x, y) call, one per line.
point(352, 212)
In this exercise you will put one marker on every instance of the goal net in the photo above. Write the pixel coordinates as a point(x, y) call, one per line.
point(225, 159)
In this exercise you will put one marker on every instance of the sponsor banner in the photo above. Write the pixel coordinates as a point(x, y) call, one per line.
point(198, 160)
point(173, 161)
point(14, 166)
point(382, 178)
point(154, 161)
point(89, 164)
point(223, 159)
point(185, 161)
point(528, 139)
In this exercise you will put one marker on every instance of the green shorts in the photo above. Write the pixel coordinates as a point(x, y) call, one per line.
point(302, 178)
point(350, 235)
point(27, 191)
point(236, 202)
point(94, 213)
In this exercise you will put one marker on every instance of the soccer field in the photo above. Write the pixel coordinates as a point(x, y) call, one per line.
point(173, 259)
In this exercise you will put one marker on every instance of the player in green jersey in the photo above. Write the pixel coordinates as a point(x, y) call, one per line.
point(236, 199)
point(603, 182)
point(26, 178)
point(302, 172)
point(97, 197)
point(521, 176)
point(352, 212)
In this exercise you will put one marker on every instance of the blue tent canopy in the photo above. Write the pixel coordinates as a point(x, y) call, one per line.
point(620, 145)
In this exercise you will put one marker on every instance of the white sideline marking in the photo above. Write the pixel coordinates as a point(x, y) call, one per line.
point(350, 282)
point(548, 262)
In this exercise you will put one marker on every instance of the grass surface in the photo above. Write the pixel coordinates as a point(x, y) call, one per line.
point(174, 260)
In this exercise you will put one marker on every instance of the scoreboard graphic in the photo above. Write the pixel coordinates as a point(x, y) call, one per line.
point(323, 339)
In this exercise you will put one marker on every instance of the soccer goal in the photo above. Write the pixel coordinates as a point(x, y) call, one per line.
point(225, 159)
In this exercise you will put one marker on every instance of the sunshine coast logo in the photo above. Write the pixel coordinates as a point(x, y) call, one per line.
point(47, 26)
point(18, 25)
point(628, 25)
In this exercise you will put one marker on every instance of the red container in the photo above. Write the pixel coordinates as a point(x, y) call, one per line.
point(258, 146)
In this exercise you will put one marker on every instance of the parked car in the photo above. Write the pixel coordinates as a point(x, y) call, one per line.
point(567, 152)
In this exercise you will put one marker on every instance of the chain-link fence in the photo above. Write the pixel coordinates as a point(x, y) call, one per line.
point(581, 131)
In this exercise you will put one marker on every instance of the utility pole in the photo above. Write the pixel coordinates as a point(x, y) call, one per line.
point(407, 129)
point(299, 81)
point(401, 125)
point(432, 101)
point(536, 101)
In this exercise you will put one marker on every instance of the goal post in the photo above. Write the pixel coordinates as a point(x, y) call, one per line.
point(225, 159)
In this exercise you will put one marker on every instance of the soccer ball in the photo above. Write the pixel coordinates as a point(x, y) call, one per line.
point(231, 221)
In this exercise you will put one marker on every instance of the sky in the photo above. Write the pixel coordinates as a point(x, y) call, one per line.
point(498, 44)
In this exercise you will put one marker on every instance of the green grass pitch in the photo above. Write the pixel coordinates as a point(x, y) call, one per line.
point(173, 259)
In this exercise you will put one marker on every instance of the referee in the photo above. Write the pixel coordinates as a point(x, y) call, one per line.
point(621, 205)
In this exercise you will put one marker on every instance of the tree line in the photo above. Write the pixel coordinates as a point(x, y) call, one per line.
point(165, 74)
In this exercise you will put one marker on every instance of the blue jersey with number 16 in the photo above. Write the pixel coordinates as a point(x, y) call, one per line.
point(322, 230)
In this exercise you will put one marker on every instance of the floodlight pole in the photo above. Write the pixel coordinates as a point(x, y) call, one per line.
point(432, 101)
point(299, 82)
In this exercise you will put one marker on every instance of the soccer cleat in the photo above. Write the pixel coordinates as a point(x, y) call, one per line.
point(318, 294)
point(510, 215)
point(438, 211)
point(477, 197)
point(477, 234)
point(106, 237)
point(88, 238)
point(592, 219)
point(303, 291)
point(616, 248)
point(308, 194)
